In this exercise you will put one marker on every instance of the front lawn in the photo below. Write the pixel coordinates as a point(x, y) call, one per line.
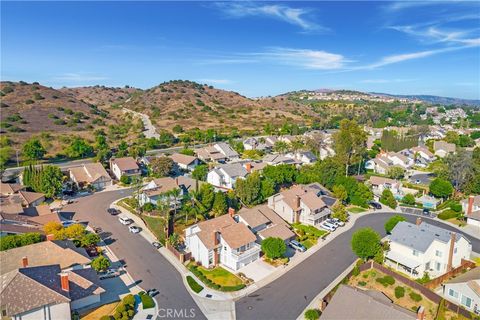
point(217, 278)
point(147, 301)
point(156, 226)
point(308, 235)
point(354, 209)
point(194, 285)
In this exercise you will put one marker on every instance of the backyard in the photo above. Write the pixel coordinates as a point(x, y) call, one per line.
point(308, 235)
point(398, 292)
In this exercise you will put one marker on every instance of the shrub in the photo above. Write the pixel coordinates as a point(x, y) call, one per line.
point(355, 271)
point(386, 281)
point(125, 179)
point(455, 206)
point(232, 288)
point(312, 314)
point(147, 301)
point(399, 292)
point(415, 296)
point(274, 247)
point(447, 214)
point(362, 283)
point(100, 263)
point(105, 318)
point(392, 222)
point(129, 300)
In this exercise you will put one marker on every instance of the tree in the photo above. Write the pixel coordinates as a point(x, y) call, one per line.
point(173, 239)
point(280, 147)
point(396, 172)
point(79, 148)
point(161, 166)
point(219, 204)
point(100, 263)
point(267, 188)
point(388, 199)
point(409, 199)
point(350, 143)
point(5, 154)
point(33, 149)
point(148, 207)
point(89, 239)
point(52, 227)
point(19, 240)
point(125, 179)
point(441, 188)
point(366, 243)
point(248, 190)
point(274, 247)
point(200, 172)
point(75, 231)
point(206, 196)
point(51, 181)
point(340, 192)
point(312, 314)
point(392, 222)
point(452, 137)
point(340, 212)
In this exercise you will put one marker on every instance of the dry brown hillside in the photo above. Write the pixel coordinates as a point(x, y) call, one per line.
point(191, 105)
point(101, 95)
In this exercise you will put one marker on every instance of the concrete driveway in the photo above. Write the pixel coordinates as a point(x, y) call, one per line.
point(257, 270)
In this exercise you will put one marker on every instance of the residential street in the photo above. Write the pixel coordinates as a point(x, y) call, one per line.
point(144, 262)
point(288, 296)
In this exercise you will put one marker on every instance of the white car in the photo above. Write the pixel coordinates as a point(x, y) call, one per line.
point(327, 226)
point(134, 229)
point(125, 221)
point(338, 222)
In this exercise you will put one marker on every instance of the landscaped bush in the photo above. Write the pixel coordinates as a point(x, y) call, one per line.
point(105, 318)
point(386, 281)
point(147, 301)
point(194, 285)
point(19, 240)
point(312, 314)
point(232, 288)
point(362, 283)
point(455, 206)
point(415, 296)
point(447, 214)
point(399, 292)
point(126, 309)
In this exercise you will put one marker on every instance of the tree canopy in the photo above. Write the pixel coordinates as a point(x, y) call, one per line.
point(366, 243)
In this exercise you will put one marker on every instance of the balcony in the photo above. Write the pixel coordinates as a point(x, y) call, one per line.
point(254, 249)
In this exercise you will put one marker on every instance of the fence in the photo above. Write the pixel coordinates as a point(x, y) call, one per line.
point(465, 264)
point(181, 256)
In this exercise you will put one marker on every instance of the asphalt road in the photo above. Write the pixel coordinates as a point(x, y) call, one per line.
point(288, 296)
point(144, 263)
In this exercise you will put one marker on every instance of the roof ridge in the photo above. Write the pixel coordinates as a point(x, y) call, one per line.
point(56, 292)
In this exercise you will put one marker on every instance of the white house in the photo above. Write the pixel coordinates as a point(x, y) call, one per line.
point(305, 157)
point(471, 207)
point(380, 164)
point(464, 290)
point(93, 174)
point(124, 167)
point(422, 247)
point(254, 144)
point(443, 148)
point(379, 184)
point(158, 190)
point(301, 204)
point(224, 176)
point(222, 241)
point(185, 162)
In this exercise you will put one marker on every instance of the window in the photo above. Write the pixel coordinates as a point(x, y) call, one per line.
point(438, 253)
point(415, 253)
point(453, 293)
point(455, 250)
point(466, 301)
point(427, 266)
point(437, 266)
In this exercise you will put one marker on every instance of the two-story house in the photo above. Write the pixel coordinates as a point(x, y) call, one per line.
point(464, 290)
point(224, 176)
point(422, 247)
point(220, 152)
point(300, 204)
point(305, 157)
point(222, 241)
point(158, 190)
point(124, 167)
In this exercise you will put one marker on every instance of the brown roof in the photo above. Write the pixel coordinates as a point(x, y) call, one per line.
point(380, 180)
point(31, 197)
point(17, 229)
point(9, 188)
point(424, 150)
point(443, 145)
point(11, 204)
point(253, 217)
point(271, 215)
point(237, 235)
point(183, 158)
point(89, 172)
point(127, 163)
point(277, 231)
point(163, 185)
point(208, 227)
point(313, 202)
point(63, 253)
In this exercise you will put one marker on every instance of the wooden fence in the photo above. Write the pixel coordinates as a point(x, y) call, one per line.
point(182, 256)
point(465, 264)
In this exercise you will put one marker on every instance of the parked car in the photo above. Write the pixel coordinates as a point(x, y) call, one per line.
point(297, 246)
point(157, 245)
point(134, 229)
point(113, 211)
point(375, 205)
point(338, 222)
point(152, 292)
point(426, 212)
point(68, 223)
point(110, 273)
point(125, 221)
point(327, 226)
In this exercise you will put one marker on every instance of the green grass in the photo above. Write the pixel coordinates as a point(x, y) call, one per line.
point(308, 243)
point(356, 209)
point(156, 225)
point(147, 301)
point(221, 276)
point(194, 285)
point(310, 230)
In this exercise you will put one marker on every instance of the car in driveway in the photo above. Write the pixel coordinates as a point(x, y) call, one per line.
point(327, 226)
point(113, 211)
point(134, 229)
point(125, 221)
point(110, 273)
point(336, 222)
point(375, 205)
point(297, 246)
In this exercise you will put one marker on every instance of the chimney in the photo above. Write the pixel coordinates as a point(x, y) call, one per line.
point(471, 199)
point(215, 237)
point(248, 166)
point(176, 181)
point(231, 212)
point(24, 262)
point(453, 236)
point(298, 202)
point(64, 281)
point(421, 313)
point(50, 237)
point(418, 221)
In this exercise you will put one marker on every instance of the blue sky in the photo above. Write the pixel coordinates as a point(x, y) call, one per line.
point(255, 48)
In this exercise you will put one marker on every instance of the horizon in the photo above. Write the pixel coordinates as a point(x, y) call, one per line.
point(257, 49)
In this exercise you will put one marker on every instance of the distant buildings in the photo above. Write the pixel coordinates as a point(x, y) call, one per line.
point(443, 148)
point(220, 152)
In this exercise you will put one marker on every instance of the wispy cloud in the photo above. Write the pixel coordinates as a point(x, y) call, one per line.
point(215, 81)
point(379, 81)
point(436, 35)
point(305, 58)
point(79, 77)
point(295, 16)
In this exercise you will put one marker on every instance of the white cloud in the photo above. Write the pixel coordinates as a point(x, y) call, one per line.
point(379, 81)
point(294, 16)
point(79, 77)
point(435, 34)
point(215, 81)
point(305, 58)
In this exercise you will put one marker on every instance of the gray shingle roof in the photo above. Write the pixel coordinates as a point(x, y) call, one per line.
point(420, 237)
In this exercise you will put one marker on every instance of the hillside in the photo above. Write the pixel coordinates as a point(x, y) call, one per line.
point(100, 95)
point(436, 99)
point(191, 105)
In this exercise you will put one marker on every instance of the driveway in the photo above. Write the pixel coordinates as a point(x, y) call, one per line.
point(422, 178)
point(289, 295)
point(144, 263)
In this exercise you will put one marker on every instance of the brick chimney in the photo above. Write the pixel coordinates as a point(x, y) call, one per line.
point(248, 166)
point(296, 211)
point(215, 237)
point(50, 237)
point(471, 199)
point(176, 181)
point(64, 281)
point(231, 212)
point(421, 313)
point(453, 236)
point(24, 262)
point(418, 221)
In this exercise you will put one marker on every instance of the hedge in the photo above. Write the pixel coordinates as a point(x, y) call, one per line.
point(415, 296)
point(194, 285)
point(447, 214)
point(209, 283)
